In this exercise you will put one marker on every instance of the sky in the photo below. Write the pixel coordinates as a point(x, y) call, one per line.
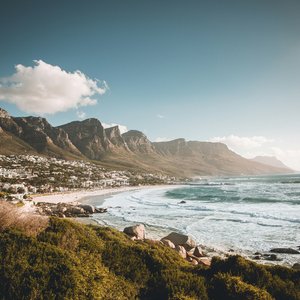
point(221, 71)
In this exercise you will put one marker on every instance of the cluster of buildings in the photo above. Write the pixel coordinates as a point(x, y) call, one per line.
point(22, 175)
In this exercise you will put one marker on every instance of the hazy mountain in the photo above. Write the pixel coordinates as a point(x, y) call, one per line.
point(270, 161)
point(132, 150)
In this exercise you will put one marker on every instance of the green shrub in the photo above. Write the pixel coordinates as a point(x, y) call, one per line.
point(68, 260)
point(228, 287)
point(282, 283)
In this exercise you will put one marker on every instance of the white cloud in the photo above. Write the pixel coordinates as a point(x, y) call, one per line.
point(234, 141)
point(122, 128)
point(81, 115)
point(162, 139)
point(250, 147)
point(160, 116)
point(47, 89)
point(291, 157)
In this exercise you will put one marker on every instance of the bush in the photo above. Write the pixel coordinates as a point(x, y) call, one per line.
point(282, 283)
point(12, 217)
point(68, 260)
point(229, 287)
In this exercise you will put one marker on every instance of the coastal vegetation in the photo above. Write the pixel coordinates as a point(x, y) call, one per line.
point(62, 259)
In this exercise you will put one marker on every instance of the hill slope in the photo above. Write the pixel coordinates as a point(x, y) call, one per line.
point(67, 260)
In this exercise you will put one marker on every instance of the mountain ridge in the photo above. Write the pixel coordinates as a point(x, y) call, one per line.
point(89, 140)
point(270, 161)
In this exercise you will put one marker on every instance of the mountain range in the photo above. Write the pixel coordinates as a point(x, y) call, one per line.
point(89, 140)
point(271, 161)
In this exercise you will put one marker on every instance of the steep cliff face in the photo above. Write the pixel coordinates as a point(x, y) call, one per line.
point(113, 134)
point(89, 137)
point(41, 135)
point(8, 124)
point(38, 134)
point(137, 142)
point(173, 148)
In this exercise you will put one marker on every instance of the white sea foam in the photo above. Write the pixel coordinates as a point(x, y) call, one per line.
point(249, 215)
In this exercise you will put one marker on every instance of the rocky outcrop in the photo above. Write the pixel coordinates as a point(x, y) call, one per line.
point(41, 135)
point(88, 208)
point(181, 251)
point(70, 210)
point(181, 239)
point(137, 231)
point(38, 134)
point(137, 142)
point(198, 252)
point(194, 254)
point(4, 114)
point(168, 243)
point(89, 137)
point(114, 136)
point(285, 250)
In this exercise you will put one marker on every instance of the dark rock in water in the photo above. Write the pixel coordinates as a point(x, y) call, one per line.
point(285, 251)
point(181, 239)
point(296, 266)
point(256, 257)
point(257, 253)
point(271, 257)
point(230, 250)
point(182, 202)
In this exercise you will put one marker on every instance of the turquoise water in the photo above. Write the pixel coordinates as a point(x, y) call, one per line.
point(246, 214)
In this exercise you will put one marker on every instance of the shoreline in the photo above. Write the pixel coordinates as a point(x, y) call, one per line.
point(99, 196)
point(84, 195)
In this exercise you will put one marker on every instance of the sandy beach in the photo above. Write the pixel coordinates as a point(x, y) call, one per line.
point(79, 196)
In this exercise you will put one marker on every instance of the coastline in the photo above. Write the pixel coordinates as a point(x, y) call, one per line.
point(98, 198)
point(84, 195)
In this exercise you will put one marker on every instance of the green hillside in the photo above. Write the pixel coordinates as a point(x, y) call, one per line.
point(68, 260)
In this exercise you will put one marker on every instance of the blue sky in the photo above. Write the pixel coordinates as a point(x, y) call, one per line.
point(204, 70)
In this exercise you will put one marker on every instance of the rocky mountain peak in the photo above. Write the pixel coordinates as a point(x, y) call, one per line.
point(89, 137)
point(115, 137)
point(138, 141)
point(4, 114)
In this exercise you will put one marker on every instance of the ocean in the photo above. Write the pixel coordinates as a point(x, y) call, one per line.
point(243, 215)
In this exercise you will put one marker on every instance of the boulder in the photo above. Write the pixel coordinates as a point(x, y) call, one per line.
point(137, 230)
point(296, 266)
point(194, 262)
point(198, 252)
point(205, 261)
point(75, 210)
point(88, 208)
point(181, 239)
point(271, 257)
point(168, 243)
point(285, 250)
point(181, 251)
